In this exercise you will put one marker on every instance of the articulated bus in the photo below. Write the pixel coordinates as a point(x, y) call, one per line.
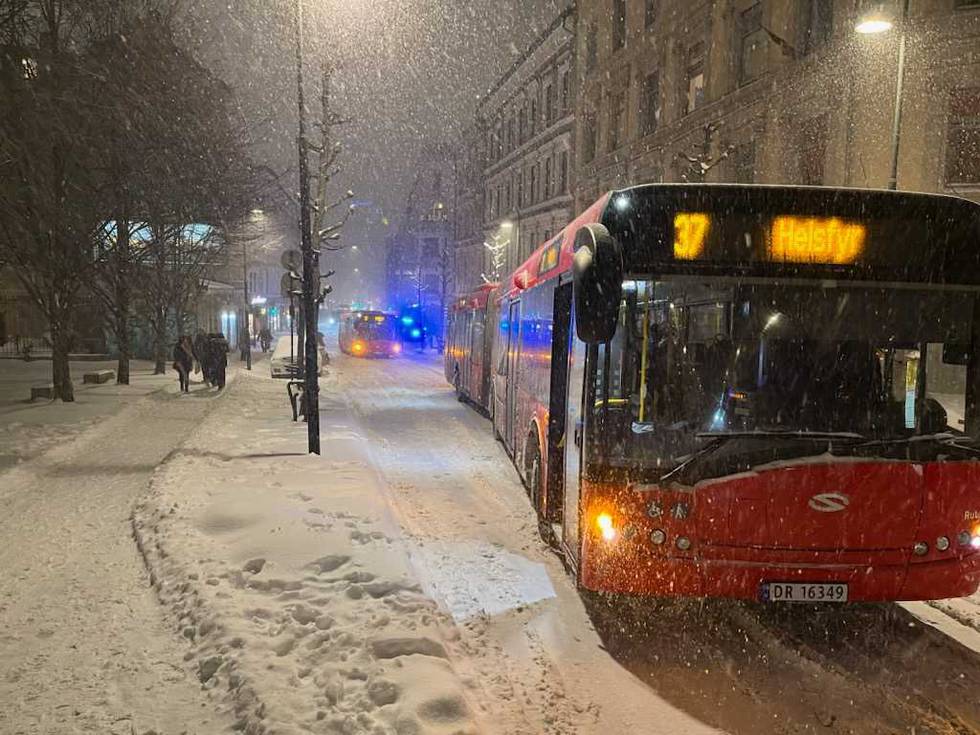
point(766, 393)
point(368, 334)
point(468, 345)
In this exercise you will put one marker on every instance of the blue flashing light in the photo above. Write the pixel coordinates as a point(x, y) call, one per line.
point(407, 321)
point(416, 333)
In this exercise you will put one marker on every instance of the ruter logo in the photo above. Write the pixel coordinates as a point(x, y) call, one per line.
point(828, 502)
point(971, 515)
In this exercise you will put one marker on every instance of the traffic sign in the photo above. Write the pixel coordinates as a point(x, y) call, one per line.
point(292, 260)
point(289, 286)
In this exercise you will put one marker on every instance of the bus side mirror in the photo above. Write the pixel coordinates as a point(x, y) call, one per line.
point(956, 354)
point(597, 283)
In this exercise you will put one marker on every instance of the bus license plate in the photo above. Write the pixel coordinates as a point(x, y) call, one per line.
point(804, 592)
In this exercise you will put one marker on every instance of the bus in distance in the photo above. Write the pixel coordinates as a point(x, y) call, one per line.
point(766, 393)
point(368, 334)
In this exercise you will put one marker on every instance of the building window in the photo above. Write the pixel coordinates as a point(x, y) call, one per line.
point(967, 4)
point(818, 24)
point(511, 138)
point(694, 77)
point(566, 100)
point(549, 105)
point(521, 125)
point(547, 178)
point(963, 136)
point(534, 183)
point(507, 197)
point(589, 136)
point(430, 248)
point(521, 191)
point(563, 172)
point(812, 144)
point(617, 119)
point(591, 48)
point(650, 13)
point(650, 103)
point(619, 24)
point(743, 163)
point(533, 122)
point(753, 43)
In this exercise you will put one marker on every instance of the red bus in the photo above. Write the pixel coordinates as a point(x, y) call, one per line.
point(368, 334)
point(767, 393)
point(467, 355)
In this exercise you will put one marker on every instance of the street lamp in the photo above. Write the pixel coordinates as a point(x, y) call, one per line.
point(879, 20)
point(311, 266)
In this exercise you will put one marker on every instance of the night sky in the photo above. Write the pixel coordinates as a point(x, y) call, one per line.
point(408, 72)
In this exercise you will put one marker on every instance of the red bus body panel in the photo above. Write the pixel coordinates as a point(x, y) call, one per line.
point(467, 354)
point(757, 528)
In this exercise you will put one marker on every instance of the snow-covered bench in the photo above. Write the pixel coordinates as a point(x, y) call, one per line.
point(99, 377)
point(42, 391)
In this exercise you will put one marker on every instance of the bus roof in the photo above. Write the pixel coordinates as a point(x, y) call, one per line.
point(777, 231)
point(476, 299)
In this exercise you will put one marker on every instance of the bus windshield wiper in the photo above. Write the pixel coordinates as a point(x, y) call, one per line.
point(788, 434)
point(722, 438)
point(962, 442)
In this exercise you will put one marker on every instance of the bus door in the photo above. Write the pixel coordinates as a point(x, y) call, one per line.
point(558, 436)
point(574, 440)
point(513, 355)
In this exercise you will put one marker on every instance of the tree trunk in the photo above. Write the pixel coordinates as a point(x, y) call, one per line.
point(123, 300)
point(160, 343)
point(123, 340)
point(60, 369)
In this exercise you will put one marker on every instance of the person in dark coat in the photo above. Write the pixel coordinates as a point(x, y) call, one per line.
point(201, 355)
point(219, 359)
point(184, 361)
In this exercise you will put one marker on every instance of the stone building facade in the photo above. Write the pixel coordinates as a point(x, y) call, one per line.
point(775, 91)
point(523, 174)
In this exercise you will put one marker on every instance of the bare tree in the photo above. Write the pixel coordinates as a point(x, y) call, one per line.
point(703, 159)
point(327, 204)
point(176, 262)
point(48, 218)
point(497, 248)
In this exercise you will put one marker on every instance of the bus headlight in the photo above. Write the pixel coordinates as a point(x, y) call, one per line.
point(604, 523)
point(921, 548)
point(942, 543)
point(658, 537)
point(683, 543)
point(357, 348)
point(964, 538)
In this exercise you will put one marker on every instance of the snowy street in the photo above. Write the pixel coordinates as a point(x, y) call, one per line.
point(395, 584)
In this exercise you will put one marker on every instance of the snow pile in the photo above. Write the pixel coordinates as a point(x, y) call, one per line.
point(289, 577)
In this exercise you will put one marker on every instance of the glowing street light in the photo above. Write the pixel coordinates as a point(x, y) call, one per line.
point(876, 21)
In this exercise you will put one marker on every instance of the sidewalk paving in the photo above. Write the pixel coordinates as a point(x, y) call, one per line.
point(289, 576)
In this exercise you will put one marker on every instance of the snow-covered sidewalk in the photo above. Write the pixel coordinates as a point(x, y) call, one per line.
point(28, 428)
point(290, 579)
point(84, 646)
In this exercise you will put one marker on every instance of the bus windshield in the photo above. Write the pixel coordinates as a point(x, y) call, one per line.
point(697, 358)
point(378, 327)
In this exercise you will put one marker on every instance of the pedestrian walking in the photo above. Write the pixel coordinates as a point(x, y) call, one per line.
point(244, 342)
point(218, 350)
point(184, 361)
point(201, 356)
